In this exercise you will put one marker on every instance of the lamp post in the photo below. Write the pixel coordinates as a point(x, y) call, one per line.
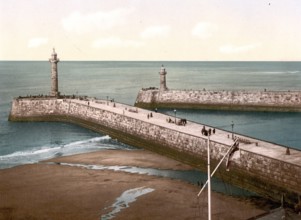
point(175, 111)
point(232, 125)
point(209, 178)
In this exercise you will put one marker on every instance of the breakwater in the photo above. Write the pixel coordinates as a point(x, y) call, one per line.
point(259, 166)
point(220, 100)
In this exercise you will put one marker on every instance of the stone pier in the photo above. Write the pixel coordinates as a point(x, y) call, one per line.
point(220, 100)
point(151, 98)
point(259, 166)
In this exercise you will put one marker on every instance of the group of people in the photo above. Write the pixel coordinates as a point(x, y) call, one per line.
point(181, 121)
point(207, 132)
point(149, 115)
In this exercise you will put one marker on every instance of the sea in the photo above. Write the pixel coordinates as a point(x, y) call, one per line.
point(31, 142)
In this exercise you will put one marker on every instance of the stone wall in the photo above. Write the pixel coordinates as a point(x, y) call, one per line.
point(248, 100)
point(269, 175)
point(265, 175)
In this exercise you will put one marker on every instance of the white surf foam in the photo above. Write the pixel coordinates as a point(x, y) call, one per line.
point(46, 149)
point(277, 72)
point(46, 152)
point(92, 140)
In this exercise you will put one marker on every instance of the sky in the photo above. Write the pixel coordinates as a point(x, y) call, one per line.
point(154, 30)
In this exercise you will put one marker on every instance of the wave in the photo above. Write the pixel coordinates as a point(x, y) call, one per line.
point(92, 140)
point(46, 149)
point(293, 72)
point(47, 152)
point(277, 72)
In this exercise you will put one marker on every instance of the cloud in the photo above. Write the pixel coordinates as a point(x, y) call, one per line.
point(204, 30)
point(155, 32)
point(231, 49)
point(83, 23)
point(116, 42)
point(36, 42)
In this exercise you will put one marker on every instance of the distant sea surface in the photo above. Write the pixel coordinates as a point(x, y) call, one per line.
point(22, 143)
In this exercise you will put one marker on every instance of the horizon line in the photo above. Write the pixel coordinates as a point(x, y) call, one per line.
point(153, 60)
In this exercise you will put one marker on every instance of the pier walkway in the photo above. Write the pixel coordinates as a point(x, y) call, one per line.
point(249, 144)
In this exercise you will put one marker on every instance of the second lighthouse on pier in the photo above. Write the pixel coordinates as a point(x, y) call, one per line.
point(54, 74)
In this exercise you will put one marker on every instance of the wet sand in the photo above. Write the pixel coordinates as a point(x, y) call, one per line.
point(53, 191)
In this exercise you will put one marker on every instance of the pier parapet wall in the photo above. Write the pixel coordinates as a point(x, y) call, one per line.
point(257, 166)
point(230, 100)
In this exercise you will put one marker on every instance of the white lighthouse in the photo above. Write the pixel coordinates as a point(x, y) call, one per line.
point(54, 74)
point(163, 79)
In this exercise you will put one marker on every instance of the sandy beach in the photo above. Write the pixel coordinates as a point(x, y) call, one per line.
point(51, 190)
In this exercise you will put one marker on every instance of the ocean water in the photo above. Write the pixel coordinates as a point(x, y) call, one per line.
point(22, 143)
